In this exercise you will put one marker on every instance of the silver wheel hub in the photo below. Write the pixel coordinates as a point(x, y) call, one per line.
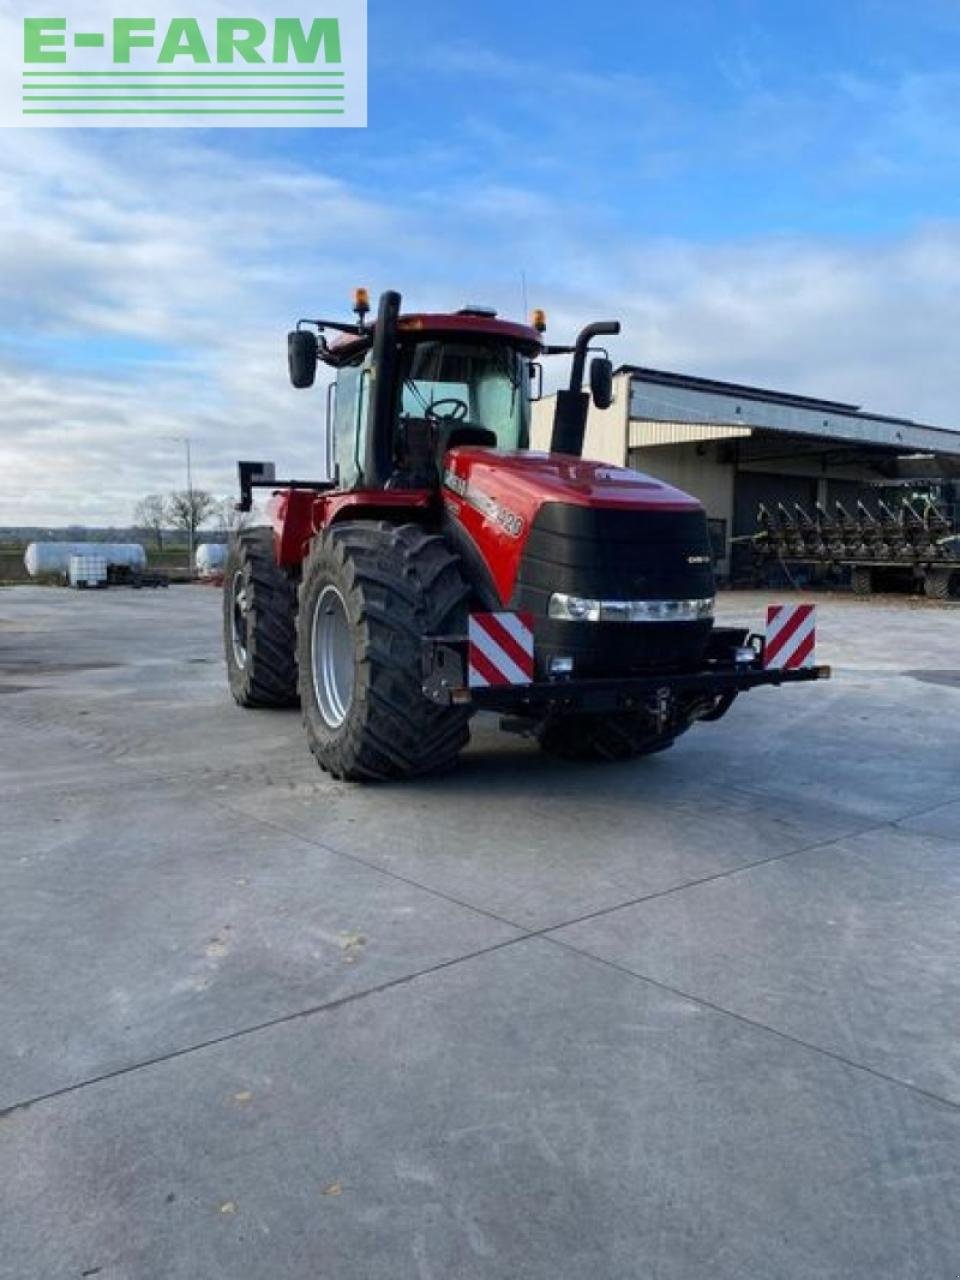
point(239, 611)
point(332, 657)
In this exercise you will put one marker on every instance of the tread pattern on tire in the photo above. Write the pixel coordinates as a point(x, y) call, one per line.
point(400, 584)
point(622, 736)
point(861, 580)
point(269, 677)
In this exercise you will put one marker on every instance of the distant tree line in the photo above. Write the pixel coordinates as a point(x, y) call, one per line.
point(186, 511)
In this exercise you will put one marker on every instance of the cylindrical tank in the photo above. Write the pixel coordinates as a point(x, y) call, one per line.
point(210, 558)
point(54, 557)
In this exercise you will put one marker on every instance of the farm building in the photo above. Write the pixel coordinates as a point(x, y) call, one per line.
point(735, 446)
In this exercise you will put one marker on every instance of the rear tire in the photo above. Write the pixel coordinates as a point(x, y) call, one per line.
point(861, 580)
point(370, 593)
point(259, 623)
point(623, 736)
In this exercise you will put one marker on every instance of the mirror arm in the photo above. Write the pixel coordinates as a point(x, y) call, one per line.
point(583, 341)
point(359, 329)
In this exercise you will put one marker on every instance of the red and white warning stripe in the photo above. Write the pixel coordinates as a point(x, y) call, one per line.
point(791, 636)
point(500, 649)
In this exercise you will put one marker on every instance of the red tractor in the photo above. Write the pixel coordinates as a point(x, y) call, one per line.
point(444, 567)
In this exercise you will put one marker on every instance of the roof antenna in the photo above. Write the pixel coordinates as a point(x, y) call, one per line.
point(523, 293)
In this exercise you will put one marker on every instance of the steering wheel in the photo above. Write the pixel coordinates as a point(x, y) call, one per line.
point(457, 414)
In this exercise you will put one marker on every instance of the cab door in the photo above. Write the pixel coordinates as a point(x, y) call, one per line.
point(350, 412)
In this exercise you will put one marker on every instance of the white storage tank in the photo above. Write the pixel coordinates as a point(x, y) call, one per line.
point(54, 557)
point(210, 558)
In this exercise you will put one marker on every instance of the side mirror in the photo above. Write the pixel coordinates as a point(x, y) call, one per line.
point(302, 351)
point(536, 380)
point(601, 382)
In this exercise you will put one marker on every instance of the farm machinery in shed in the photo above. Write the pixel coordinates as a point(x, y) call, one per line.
point(906, 544)
point(443, 567)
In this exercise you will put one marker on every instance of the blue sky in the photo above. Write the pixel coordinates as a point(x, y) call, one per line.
point(687, 119)
point(762, 191)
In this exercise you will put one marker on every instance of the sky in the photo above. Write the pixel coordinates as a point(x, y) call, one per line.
point(761, 191)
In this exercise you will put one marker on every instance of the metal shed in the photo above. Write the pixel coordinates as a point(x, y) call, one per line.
point(735, 446)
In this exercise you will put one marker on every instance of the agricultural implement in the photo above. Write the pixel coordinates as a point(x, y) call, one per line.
point(888, 547)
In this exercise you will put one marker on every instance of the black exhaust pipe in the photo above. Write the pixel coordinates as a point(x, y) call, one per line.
point(570, 413)
point(378, 459)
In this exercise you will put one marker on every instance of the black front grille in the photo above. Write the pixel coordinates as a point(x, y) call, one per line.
point(609, 554)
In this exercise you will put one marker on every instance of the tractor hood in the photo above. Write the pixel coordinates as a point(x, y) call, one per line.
point(530, 479)
point(493, 499)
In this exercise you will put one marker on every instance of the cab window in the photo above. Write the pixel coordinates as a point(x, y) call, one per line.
point(350, 423)
point(480, 384)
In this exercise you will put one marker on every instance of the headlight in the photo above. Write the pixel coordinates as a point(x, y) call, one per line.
point(579, 609)
point(573, 608)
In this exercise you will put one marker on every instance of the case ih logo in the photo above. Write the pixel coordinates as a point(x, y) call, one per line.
point(256, 68)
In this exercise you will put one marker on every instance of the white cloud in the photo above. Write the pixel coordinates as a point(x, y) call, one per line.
point(147, 280)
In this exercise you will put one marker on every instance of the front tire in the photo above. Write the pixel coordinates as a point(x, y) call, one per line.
point(259, 623)
point(370, 593)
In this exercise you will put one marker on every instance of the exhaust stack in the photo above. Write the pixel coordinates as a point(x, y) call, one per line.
point(378, 459)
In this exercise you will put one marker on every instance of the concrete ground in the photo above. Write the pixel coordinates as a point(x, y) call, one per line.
point(697, 1016)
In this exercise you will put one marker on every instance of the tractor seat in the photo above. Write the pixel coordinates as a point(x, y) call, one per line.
point(422, 444)
point(451, 434)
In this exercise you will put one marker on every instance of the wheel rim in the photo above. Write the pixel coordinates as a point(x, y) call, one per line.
point(238, 619)
point(332, 657)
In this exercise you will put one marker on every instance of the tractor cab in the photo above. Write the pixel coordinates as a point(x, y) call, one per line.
point(411, 387)
point(450, 389)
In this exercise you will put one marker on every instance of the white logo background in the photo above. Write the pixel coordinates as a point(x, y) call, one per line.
point(188, 94)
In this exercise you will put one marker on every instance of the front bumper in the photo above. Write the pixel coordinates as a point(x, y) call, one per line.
point(444, 675)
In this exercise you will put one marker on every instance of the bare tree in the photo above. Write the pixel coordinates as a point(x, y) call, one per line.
point(151, 513)
point(229, 519)
point(189, 509)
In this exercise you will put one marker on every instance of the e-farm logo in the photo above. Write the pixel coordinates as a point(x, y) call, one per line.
point(252, 69)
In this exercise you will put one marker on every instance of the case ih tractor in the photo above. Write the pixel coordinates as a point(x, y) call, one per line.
point(443, 567)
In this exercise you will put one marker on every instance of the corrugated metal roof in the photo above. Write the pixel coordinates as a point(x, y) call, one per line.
point(667, 379)
point(656, 395)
